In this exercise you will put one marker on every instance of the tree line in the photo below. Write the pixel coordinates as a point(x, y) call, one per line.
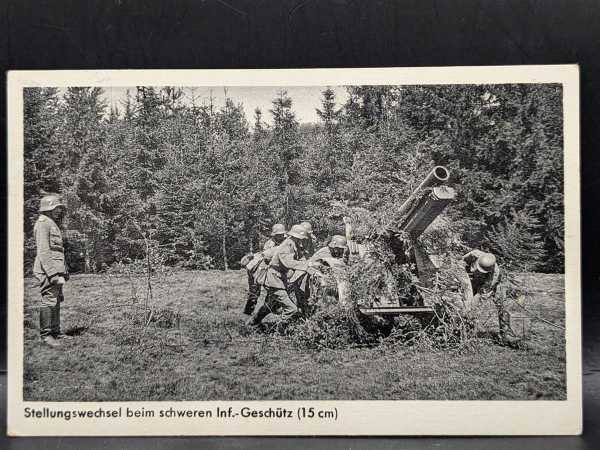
point(204, 186)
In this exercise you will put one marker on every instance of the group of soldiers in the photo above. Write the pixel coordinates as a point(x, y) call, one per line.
point(287, 260)
point(282, 268)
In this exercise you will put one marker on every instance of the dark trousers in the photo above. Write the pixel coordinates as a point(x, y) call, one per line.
point(253, 294)
point(52, 296)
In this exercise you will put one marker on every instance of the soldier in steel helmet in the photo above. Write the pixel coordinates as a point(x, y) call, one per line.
point(485, 279)
point(483, 271)
point(286, 260)
point(49, 267)
point(336, 248)
point(309, 244)
point(334, 254)
point(256, 263)
point(277, 236)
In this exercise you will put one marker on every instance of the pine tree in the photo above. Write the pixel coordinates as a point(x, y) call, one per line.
point(85, 183)
point(207, 190)
point(329, 115)
point(517, 242)
point(259, 126)
point(43, 166)
point(286, 147)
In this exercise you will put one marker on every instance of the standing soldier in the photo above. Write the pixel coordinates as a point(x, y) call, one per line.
point(254, 262)
point(287, 258)
point(49, 267)
point(309, 243)
point(485, 282)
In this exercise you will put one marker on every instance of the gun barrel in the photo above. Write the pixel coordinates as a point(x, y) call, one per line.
point(429, 207)
point(437, 176)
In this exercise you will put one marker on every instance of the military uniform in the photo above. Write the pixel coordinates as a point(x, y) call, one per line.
point(256, 269)
point(300, 280)
point(489, 285)
point(285, 262)
point(481, 283)
point(49, 263)
point(308, 247)
point(322, 253)
point(256, 266)
point(308, 244)
point(270, 244)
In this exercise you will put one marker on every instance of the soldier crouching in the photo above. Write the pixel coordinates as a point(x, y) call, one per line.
point(49, 267)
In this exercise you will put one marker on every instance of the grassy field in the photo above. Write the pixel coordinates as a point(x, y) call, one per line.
point(196, 348)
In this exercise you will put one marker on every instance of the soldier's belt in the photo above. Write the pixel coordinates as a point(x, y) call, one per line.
point(57, 248)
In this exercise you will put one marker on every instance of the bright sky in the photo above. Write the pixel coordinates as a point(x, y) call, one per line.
point(304, 99)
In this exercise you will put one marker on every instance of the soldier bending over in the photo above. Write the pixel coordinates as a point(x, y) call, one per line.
point(253, 263)
point(287, 258)
point(486, 282)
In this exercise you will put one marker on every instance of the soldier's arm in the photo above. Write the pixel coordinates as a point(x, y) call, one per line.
point(470, 257)
point(467, 256)
point(269, 244)
point(319, 254)
point(286, 257)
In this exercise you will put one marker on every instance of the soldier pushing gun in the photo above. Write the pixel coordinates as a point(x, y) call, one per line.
point(256, 264)
point(486, 281)
point(288, 259)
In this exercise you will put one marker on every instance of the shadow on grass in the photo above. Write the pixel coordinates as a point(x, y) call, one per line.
point(75, 331)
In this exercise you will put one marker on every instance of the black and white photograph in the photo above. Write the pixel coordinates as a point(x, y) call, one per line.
point(230, 242)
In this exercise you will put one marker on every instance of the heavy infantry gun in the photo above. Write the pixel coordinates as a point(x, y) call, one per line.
point(413, 217)
point(427, 201)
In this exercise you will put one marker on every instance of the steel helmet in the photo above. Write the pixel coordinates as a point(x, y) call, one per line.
point(278, 228)
point(298, 231)
point(485, 263)
point(338, 241)
point(307, 226)
point(49, 202)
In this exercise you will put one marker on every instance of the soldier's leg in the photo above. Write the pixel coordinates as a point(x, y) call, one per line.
point(55, 314)
point(467, 287)
point(263, 308)
point(253, 294)
point(302, 291)
point(50, 294)
point(282, 299)
point(504, 331)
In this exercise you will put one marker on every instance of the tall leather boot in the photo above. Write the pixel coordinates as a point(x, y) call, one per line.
point(261, 310)
point(253, 295)
point(55, 325)
point(506, 334)
point(55, 319)
point(46, 327)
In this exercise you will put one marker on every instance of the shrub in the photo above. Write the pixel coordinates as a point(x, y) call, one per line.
point(518, 243)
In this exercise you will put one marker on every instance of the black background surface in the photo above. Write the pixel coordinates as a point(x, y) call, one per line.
point(123, 34)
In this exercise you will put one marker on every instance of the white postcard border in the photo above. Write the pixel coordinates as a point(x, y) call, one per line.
point(396, 417)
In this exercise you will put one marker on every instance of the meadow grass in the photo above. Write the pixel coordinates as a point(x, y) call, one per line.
point(195, 347)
